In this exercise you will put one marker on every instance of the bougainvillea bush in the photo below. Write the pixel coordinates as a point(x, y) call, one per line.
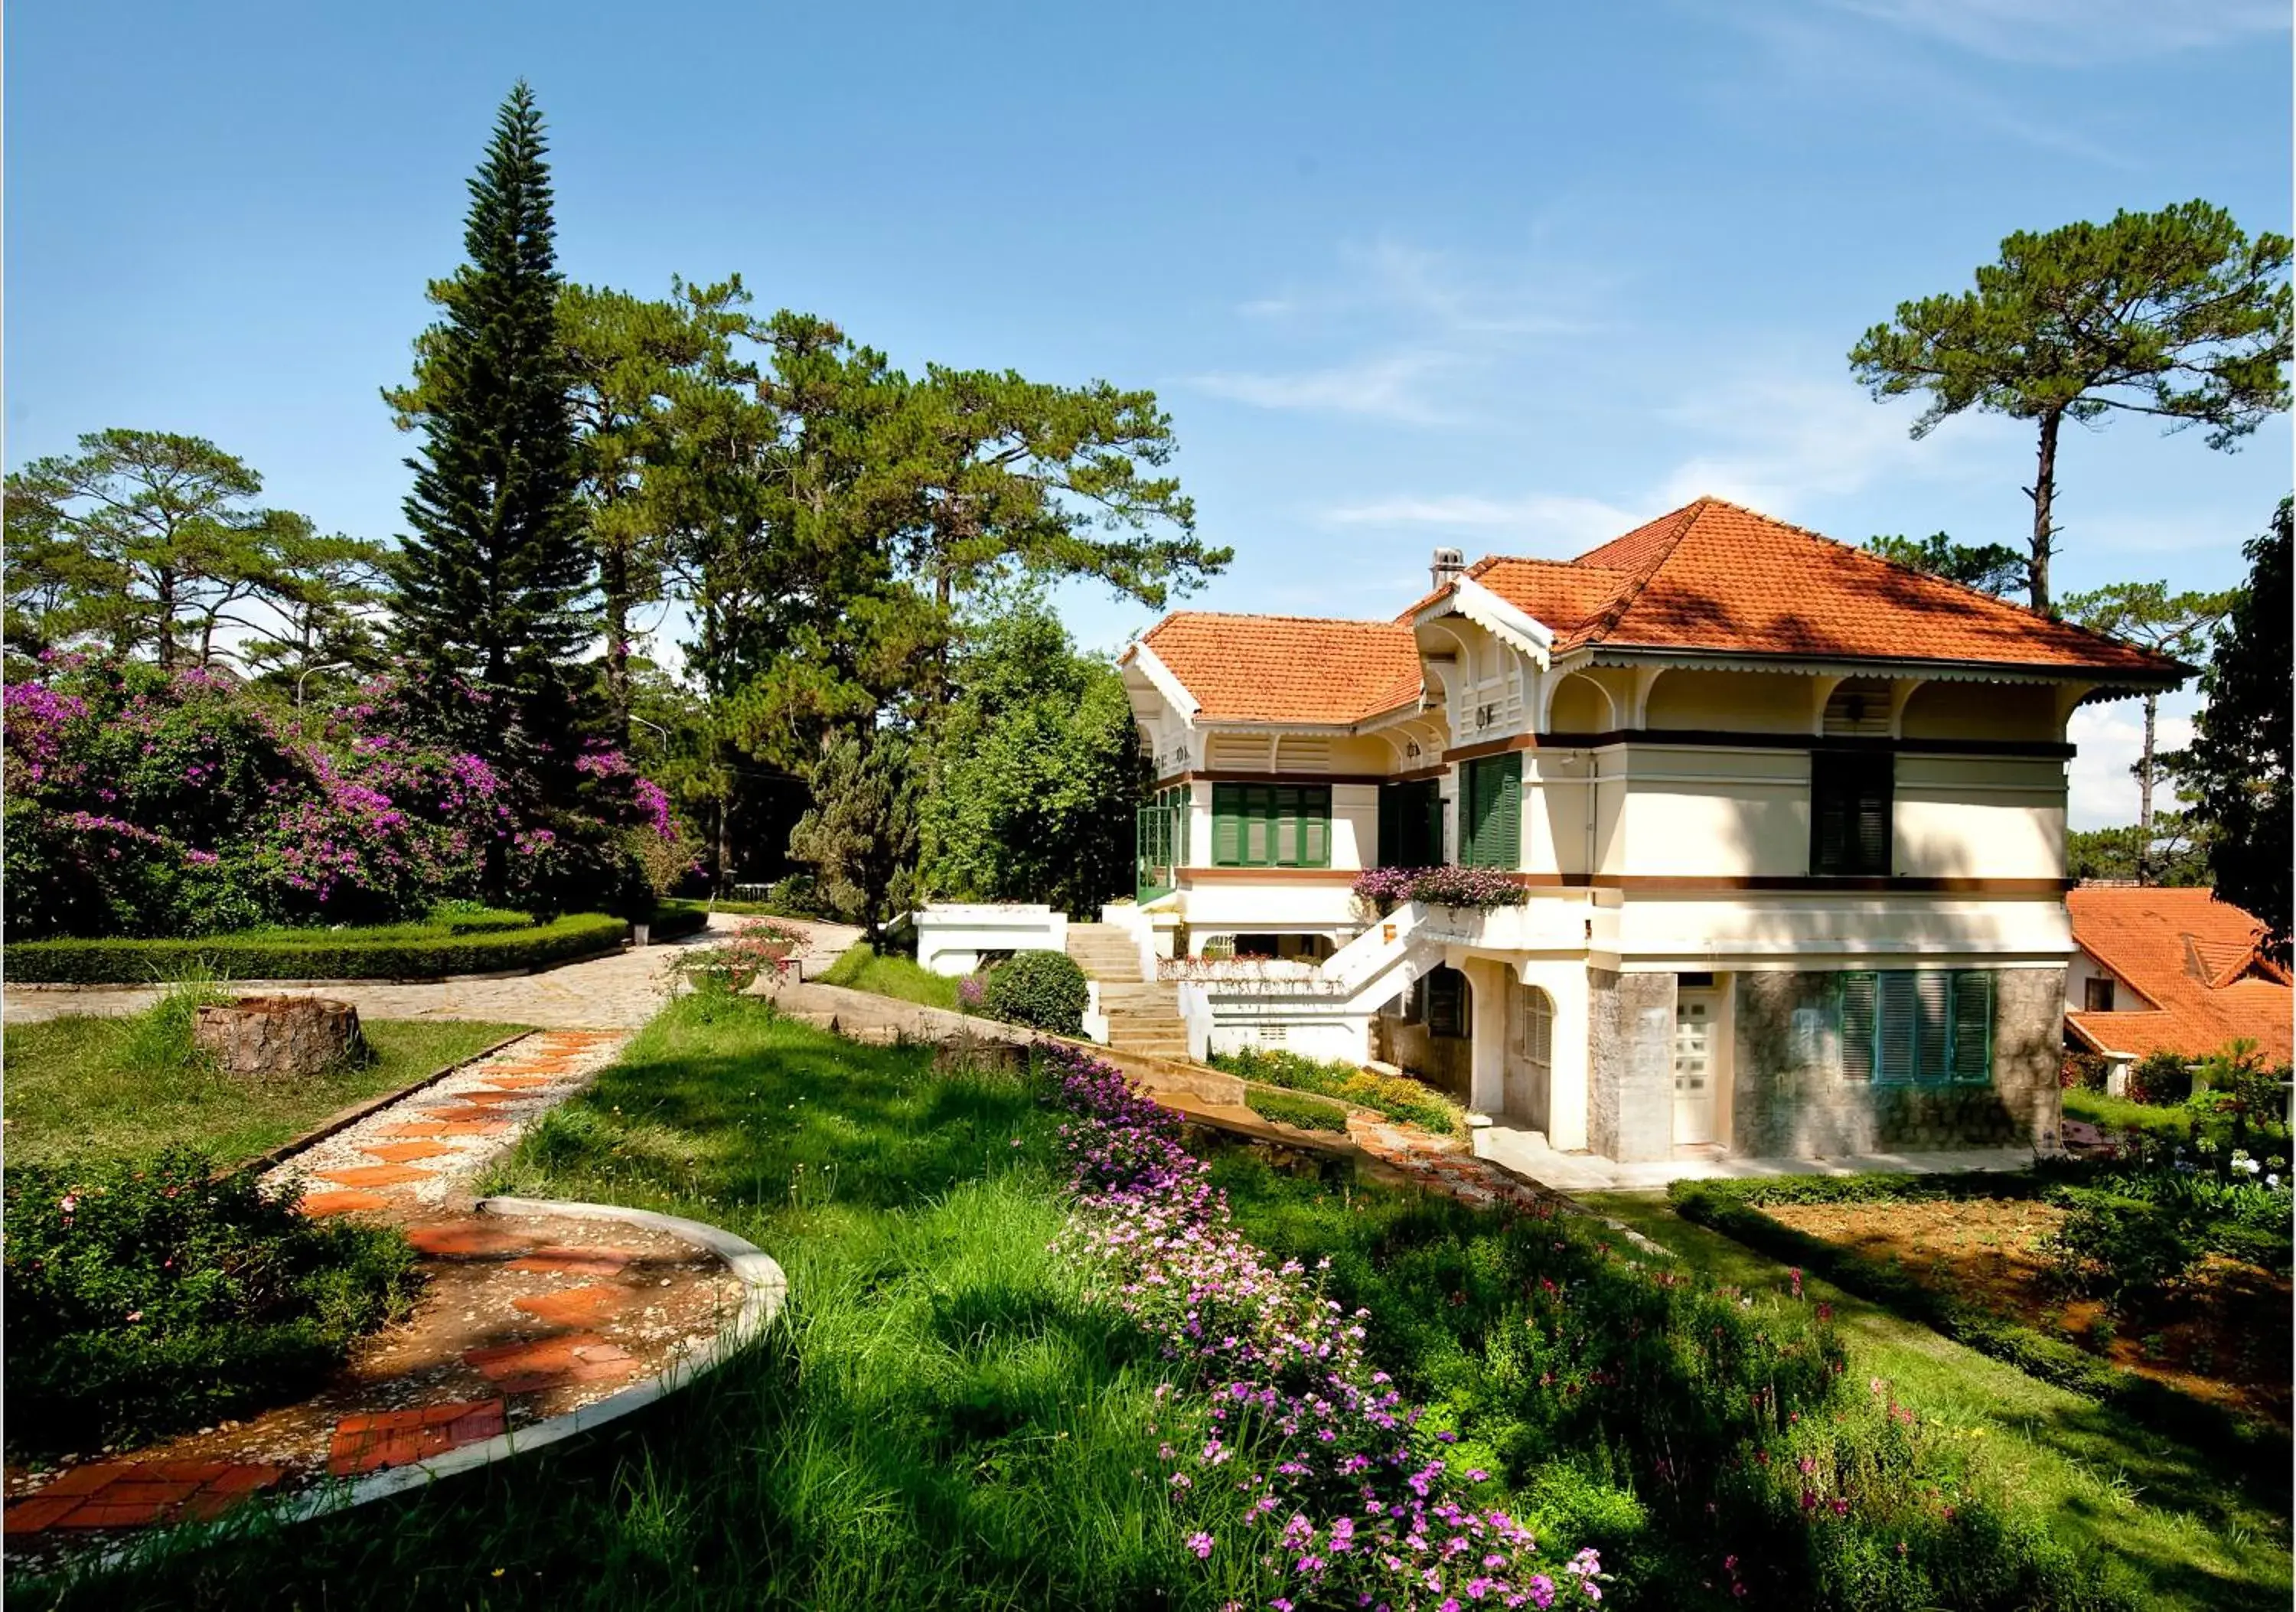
point(141, 802)
point(1382, 889)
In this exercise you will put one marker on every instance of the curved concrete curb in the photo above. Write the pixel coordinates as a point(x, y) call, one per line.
point(764, 1287)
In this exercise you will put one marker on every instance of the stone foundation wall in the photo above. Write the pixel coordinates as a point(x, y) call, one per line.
point(1631, 1064)
point(1789, 1098)
point(1444, 1062)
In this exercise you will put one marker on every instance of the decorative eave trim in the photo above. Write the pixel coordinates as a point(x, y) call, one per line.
point(1159, 677)
point(2106, 682)
point(1478, 604)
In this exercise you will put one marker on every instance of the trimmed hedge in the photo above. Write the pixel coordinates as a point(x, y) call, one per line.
point(1732, 1208)
point(1397, 1097)
point(319, 954)
point(674, 920)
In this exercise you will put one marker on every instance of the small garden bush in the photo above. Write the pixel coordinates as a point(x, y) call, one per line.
point(394, 951)
point(144, 1298)
point(1397, 1097)
point(1042, 990)
point(1307, 1113)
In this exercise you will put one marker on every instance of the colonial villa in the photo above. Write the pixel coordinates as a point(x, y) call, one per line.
point(1789, 821)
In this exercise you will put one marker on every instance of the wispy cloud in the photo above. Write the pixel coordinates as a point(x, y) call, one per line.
point(1534, 522)
point(2107, 740)
point(2076, 33)
point(1396, 386)
point(1422, 317)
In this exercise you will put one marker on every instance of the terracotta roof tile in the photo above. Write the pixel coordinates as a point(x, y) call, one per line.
point(1288, 669)
point(2194, 961)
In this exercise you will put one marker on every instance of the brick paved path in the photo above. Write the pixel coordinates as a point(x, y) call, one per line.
point(512, 1328)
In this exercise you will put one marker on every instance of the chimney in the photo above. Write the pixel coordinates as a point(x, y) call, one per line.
point(1447, 562)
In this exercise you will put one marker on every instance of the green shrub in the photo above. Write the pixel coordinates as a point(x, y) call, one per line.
point(2123, 1250)
point(144, 1298)
point(673, 920)
point(394, 952)
point(2161, 1079)
point(1042, 990)
point(1307, 1113)
point(1397, 1097)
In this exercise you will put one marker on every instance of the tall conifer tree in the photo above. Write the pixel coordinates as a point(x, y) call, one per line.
point(494, 575)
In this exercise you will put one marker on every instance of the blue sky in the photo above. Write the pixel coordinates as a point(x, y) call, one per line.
point(1507, 277)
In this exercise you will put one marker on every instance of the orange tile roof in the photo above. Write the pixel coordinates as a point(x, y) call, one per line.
point(1288, 669)
point(1715, 576)
point(2193, 959)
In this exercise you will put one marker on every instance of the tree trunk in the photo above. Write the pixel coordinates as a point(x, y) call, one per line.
point(2144, 792)
point(2043, 494)
point(614, 574)
point(164, 589)
point(279, 1035)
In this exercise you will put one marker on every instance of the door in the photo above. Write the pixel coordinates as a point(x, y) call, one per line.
point(1695, 1012)
point(1531, 1056)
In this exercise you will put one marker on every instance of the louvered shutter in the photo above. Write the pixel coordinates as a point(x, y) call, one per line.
point(1973, 1026)
point(1506, 852)
point(1392, 805)
point(1315, 827)
point(1871, 827)
point(1259, 826)
point(1896, 1012)
point(1930, 1011)
point(1429, 849)
point(1228, 824)
point(1860, 1001)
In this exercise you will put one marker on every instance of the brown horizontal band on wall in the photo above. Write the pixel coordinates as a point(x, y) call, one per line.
point(2028, 750)
point(1228, 775)
point(1648, 884)
point(1418, 775)
point(1266, 876)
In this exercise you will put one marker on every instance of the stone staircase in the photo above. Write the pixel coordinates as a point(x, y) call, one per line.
point(1144, 1016)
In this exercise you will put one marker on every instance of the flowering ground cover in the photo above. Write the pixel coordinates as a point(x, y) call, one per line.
point(1044, 1349)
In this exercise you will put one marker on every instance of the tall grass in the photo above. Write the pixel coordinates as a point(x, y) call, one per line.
point(158, 1042)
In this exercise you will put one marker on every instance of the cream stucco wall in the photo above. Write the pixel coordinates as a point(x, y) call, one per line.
point(1744, 702)
point(1971, 816)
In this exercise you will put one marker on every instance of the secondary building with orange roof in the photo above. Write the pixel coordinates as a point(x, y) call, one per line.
point(1788, 820)
point(2172, 970)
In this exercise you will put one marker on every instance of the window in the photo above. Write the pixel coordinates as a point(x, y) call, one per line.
point(1491, 812)
point(1443, 1003)
point(1849, 798)
point(1271, 824)
point(1908, 1027)
point(1411, 824)
point(2096, 995)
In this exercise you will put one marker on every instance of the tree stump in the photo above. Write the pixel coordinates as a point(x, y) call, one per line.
point(279, 1035)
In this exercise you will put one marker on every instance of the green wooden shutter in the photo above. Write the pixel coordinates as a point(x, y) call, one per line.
point(1933, 1013)
point(1393, 801)
point(1490, 813)
point(1228, 824)
point(1259, 826)
point(1506, 852)
point(1876, 784)
point(1860, 998)
point(1430, 845)
point(1316, 826)
point(1973, 1026)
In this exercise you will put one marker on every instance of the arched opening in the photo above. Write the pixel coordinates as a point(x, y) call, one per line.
point(1579, 705)
point(1529, 1072)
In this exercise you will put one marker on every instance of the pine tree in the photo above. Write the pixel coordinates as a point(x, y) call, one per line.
point(494, 575)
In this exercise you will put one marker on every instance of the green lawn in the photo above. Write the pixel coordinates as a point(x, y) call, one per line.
point(2102, 1481)
point(860, 969)
point(81, 1088)
point(943, 1421)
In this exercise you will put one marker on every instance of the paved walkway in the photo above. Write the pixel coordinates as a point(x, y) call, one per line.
point(1526, 1153)
point(522, 1317)
point(621, 990)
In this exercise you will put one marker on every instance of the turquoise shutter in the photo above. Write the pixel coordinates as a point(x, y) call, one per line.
point(1860, 998)
point(1896, 1012)
point(1931, 1048)
point(1973, 1026)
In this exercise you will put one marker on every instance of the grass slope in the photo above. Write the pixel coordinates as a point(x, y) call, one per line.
point(943, 1423)
point(82, 1086)
point(2103, 1482)
point(860, 969)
